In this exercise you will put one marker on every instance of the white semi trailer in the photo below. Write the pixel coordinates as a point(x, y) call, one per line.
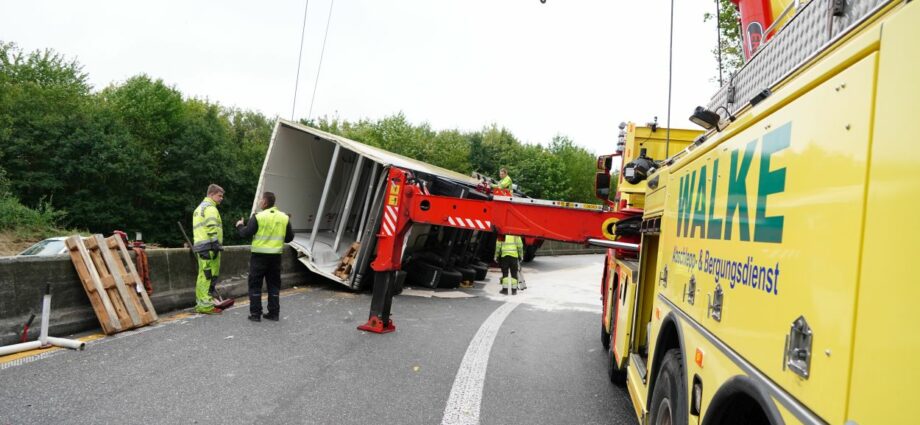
point(333, 189)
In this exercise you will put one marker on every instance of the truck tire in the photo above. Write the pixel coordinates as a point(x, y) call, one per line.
point(469, 274)
point(482, 269)
point(423, 273)
point(669, 401)
point(450, 279)
point(530, 252)
point(399, 283)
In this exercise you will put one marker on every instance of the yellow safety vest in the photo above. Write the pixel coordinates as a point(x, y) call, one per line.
point(505, 183)
point(206, 226)
point(269, 238)
point(511, 247)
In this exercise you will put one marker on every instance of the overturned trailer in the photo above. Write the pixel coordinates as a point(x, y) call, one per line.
point(332, 187)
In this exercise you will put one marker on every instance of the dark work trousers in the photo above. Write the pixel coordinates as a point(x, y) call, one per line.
point(509, 263)
point(266, 266)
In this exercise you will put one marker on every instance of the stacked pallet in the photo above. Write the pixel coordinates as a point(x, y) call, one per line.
point(347, 263)
point(112, 284)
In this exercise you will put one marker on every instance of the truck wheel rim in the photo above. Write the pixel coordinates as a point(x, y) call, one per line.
point(664, 413)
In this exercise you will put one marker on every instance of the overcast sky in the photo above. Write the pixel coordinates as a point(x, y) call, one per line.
point(570, 67)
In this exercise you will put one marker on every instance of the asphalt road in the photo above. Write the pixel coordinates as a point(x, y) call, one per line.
point(545, 363)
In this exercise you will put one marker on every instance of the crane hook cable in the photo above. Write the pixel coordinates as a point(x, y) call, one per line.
point(303, 30)
point(321, 54)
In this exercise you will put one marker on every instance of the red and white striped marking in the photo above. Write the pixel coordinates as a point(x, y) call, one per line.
point(388, 227)
point(470, 224)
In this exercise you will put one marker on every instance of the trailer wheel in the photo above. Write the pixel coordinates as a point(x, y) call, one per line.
point(669, 403)
point(530, 252)
point(467, 272)
point(482, 269)
point(399, 283)
point(450, 279)
point(423, 273)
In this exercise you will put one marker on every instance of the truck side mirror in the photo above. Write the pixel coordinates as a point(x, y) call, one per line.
point(604, 163)
point(602, 186)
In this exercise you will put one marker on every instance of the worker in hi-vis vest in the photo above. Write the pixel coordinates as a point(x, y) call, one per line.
point(505, 182)
point(270, 230)
point(508, 249)
point(208, 236)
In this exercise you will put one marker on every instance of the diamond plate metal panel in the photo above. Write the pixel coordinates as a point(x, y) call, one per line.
point(811, 28)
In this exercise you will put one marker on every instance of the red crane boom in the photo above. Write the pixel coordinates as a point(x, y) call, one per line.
point(408, 201)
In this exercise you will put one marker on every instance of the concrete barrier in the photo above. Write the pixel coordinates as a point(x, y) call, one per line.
point(172, 273)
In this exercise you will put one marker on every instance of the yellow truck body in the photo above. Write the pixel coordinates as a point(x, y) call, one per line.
point(777, 255)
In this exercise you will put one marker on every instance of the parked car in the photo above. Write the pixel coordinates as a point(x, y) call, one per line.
point(50, 246)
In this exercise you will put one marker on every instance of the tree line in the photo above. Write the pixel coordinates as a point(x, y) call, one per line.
point(137, 155)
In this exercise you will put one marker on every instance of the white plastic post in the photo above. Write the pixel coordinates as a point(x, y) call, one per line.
point(46, 318)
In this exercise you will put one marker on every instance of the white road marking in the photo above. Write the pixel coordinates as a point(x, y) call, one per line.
point(466, 395)
point(411, 292)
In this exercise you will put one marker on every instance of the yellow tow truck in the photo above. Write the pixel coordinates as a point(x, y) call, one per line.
point(775, 281)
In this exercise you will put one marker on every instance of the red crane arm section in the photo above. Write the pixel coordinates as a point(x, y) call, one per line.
point(408, 202)
point(506, 217)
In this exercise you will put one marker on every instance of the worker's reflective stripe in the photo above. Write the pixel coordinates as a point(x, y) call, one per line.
point(267, 250)
point(207, 221)
point(269, 238)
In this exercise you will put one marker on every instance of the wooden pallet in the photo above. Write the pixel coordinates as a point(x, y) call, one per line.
point(115, 290)
point(347, 263)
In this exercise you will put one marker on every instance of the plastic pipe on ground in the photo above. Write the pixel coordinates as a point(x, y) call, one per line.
point(18, 348)
point(67, 343)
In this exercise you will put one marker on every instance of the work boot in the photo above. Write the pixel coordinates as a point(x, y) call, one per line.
point(224, 303)
point(255, 318)
point(272, 317)
point(504, 291)
point(513, 291)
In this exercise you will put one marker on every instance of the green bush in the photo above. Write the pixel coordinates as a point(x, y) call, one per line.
point(27, 223)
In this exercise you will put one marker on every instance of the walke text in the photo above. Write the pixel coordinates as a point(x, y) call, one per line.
point(695, 220)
